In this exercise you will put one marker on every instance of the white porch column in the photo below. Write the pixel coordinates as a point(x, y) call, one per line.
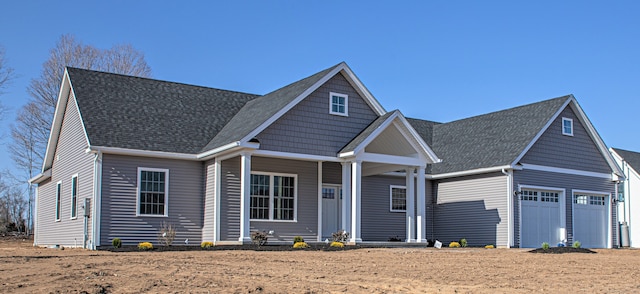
point(356, 184)
point(245, 197)
point(320, 232)
point(411, 229)
point(421, 216)
point(346, 197)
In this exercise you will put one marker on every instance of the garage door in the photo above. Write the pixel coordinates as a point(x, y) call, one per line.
point(590, 220)
point(540, 216)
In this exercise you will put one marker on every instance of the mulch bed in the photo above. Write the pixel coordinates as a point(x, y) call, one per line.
point(560, 250)
point(312, 247)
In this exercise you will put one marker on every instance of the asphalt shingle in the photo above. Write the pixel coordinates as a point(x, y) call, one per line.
point(631, 157)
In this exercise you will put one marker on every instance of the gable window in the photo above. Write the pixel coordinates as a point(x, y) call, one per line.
point(74, 196)
point(338, 104)
point(273, 197)
point(153, 189)
point(398, 198)
point(58, 192)
point(567, 126)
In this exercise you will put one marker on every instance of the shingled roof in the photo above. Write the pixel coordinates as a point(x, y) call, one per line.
point(631, 157)
point(138, 113)
point(489, 140)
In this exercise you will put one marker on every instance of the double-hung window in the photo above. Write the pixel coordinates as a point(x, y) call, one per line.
point(273, 197)
point(58, 195)
point(398, 198)
point(567, 126)
point(74, 196)
point(153, 191)
point(338, 104)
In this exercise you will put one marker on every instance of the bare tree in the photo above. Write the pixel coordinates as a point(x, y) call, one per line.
point(6, 75)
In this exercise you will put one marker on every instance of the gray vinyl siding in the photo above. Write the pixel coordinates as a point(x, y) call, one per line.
point(472, 207)
point(209, 222)
point(69, 158)
point(307, 199)
point(568, 183)
point(230, 200)
point(119, 196)
point(332, 173)
point(573, 152)
point(309, 128)
point(378, 223)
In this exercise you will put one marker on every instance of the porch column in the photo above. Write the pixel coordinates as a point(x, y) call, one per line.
point(421, 216)
point(245, 197)
point(356, 183)
point(411, 229)
point(346, 197)
point(320, 232)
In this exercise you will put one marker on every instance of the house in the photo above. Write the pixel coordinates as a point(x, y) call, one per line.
point(629, 205)
point(319, 155)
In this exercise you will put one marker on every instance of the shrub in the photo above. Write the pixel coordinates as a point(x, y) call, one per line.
point(259, 238)
point(145, 246)
point(395, 239)
point(340, 236)
point(337, 244)
point(298, 245)
point(463, 242)
point(576, 244)
point(297, 239)
point(117, 243)
point(490, 246)
point(166, 234)
point(454, 244)
point(206, 244)
point(545, 245)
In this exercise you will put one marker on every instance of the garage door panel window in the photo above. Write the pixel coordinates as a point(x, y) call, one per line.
point(528, 195)
point(583, 199)
point(549, 196)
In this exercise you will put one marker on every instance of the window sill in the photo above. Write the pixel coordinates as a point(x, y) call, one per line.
point(151, 215)
point(273, 220)
point(72, 218)
point(399, 211)
point(339, 114)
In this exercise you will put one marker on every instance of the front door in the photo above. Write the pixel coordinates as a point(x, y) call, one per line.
point(330, 210)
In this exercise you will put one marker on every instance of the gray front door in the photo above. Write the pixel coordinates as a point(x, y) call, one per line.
point(330, 210)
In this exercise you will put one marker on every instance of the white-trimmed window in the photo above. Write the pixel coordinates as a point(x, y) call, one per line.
point(587, 199)
point(58, 195)
point(567, 126)
point(338, 104)
point(273, 196)
point(74, 196)
point(398, 198)
point(153, 191)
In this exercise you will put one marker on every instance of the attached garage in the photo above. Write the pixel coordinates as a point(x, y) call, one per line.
point(590, 219)
point(541, 217)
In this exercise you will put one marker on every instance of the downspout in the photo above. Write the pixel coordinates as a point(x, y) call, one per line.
point(509, 207)
point(96, 206)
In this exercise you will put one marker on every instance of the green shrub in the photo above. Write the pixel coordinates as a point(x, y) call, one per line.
point(337, 244)
point(299, 245)
point(490, 246)
point(454, 244)
point(576, 244)
point(463, 242)
point(145, 246)
point(117, 243)
point(545, 246)
point(297, 239)
point(206, 244)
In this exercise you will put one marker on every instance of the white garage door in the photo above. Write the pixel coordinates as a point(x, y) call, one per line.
point(540, 216)
point(590, 220)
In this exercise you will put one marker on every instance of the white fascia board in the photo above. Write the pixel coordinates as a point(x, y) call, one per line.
point(526, 166)
point(213, 152)
point(142, 153)
point(296, 156)
point(363, 91)
point(56, 125)
point(40, 177)
point(374, 134)
point(472, 172)
point(425, 147)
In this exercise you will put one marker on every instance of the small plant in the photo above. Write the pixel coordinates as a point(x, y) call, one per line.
point(299, 245)
point(463, 242)
point(297, 239)
point(166, 234)
point(576, 244)
point(490, 246)
point(340, 236)
point(395, 239)
point(545, 246)
point(117, 243)
point(206, 244)
point(145, 246)
point(337, 244)
point(259, 238)
point(454, 244)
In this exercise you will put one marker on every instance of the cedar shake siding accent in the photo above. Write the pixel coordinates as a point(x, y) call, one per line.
point(473, 207)
point(573, 152)
point(119, 195)
point(309, 128)
point(209, 224)
point(230, 200)
point(568, 183)
point(70, 158)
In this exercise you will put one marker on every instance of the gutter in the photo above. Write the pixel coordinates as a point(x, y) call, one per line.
point(473, 172)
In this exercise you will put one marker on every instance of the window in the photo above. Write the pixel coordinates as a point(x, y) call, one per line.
point(338, 104)
point(567, 126)
point(398, 198)
point(273, 197)
point(74, 196)
point(58, 191)
point(549, 196)
point(584, 199)
point(153, 189)
point(528, 195)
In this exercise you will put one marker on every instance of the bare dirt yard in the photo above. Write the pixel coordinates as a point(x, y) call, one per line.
point(25, 269)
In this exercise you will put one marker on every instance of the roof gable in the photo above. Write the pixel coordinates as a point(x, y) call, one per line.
point(631, 157)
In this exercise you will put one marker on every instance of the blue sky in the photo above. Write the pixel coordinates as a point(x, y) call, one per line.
point(436, 60)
